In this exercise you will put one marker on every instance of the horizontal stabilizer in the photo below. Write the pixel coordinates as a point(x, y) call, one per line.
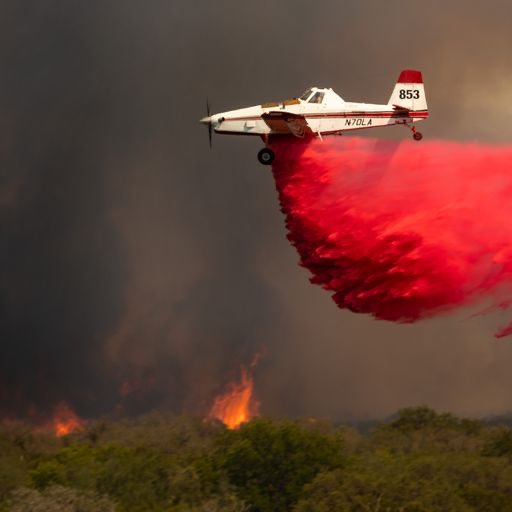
point(400, 108)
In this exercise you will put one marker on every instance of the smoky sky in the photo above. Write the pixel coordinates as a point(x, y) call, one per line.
point(139, 269)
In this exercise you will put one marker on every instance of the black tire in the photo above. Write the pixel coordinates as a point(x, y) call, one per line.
point(266, 156)
point(417, 136)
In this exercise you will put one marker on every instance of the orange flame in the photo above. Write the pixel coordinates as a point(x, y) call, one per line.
point(236, 405)
point(65, 420)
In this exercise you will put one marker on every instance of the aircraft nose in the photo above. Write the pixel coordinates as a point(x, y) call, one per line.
point(206, 120)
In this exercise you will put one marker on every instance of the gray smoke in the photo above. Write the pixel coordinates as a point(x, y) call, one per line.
point(139, 269)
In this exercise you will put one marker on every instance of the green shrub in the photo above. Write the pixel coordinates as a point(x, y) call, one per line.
point(269, 462)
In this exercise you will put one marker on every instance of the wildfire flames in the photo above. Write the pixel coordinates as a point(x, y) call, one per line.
point(65, 420)
point(401, 230)
point(236, 405)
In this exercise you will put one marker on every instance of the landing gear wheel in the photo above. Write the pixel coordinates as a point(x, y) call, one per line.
point(417, 136)
point(266, 156)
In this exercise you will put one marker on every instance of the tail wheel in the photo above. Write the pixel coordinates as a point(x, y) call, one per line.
point(266, 156)
point(417, 136)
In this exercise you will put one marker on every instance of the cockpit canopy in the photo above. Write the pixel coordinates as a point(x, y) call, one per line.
point(312, 96)
point(319, 96)
point(306, 95)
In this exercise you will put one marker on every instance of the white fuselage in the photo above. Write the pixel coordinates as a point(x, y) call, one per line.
point(332, 116)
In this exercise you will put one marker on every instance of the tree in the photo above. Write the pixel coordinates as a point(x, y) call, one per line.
point(500, 444)
point(269, 462)
point(137, 479)
point(417, 418)
point(58, 499)
point(13, 462)
point(384, 483)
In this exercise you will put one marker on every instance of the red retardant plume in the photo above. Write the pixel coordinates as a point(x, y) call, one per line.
point(401, 230)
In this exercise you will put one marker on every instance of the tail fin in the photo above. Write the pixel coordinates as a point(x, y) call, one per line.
point(409, 92)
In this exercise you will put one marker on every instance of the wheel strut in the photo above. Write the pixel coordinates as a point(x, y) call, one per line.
point(415, 134)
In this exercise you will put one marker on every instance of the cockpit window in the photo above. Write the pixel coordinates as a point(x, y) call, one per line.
point(306, 95)
point(318, 97)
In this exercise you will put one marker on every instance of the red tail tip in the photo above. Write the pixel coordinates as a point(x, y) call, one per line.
point(409, 76)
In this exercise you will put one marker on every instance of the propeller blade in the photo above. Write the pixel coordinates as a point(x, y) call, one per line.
point(210, 123)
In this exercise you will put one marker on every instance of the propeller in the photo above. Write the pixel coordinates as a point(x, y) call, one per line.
point(209, 123)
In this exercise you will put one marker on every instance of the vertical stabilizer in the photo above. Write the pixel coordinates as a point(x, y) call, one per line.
point(409, 91)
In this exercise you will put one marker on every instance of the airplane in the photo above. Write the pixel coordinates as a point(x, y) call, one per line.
point(320, 111)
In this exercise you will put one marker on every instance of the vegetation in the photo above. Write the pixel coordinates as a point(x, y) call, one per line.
point(419, 461)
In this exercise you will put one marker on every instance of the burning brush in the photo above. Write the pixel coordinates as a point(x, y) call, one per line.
point(237, 404)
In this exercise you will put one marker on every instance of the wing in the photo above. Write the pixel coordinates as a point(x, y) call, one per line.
point(287, 123)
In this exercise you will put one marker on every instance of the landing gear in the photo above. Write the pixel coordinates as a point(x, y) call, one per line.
point(416, 135)
point(266, 156)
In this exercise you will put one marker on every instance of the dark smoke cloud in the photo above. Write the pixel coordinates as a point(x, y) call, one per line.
point(61, 263)
point(133, 259)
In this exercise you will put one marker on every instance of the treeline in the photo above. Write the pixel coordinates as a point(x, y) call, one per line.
point(420, 461)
